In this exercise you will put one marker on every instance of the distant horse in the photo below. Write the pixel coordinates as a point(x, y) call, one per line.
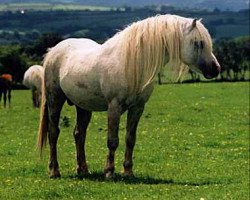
point(33, 79)
point(117, 76)
point(5, 87)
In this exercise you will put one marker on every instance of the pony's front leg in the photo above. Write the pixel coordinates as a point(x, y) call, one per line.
point(114, 114)
point(133, 117)
point(33, 92)
point(83, 119)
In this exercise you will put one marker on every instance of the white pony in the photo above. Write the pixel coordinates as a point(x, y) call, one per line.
point(117, 76)
point(33, 79)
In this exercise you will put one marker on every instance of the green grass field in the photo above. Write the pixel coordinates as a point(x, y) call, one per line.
point(193, 143)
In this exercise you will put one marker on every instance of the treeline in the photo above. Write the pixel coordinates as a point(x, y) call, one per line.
point(16, 58)
point(234, 57)
point(24, 27)
point(232, 54)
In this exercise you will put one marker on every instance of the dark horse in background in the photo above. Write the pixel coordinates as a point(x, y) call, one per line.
point(5, 87)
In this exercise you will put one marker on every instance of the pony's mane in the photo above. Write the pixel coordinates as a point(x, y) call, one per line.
point(150, 44)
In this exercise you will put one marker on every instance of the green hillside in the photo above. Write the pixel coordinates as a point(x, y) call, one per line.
point(208, 4)
point(19, 21)
point(49, 7)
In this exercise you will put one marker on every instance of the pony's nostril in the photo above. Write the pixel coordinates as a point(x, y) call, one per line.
point(216, 66)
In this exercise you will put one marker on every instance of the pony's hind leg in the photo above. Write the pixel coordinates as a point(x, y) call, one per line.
point(9, 96)
point(133, 117)
point(114, 114)
point(82, 122)
point(55, 100)
point(1, 92)
point(4, 98)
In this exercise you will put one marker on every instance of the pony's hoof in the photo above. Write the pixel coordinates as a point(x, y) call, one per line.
point(128, 174)
point(82, 171)
point(109, 175)
point(55, 174)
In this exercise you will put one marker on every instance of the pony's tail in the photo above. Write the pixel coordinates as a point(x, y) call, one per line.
point(43, 127)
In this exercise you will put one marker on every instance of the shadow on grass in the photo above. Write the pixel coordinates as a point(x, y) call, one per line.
point(99, 176)
point(206, 81)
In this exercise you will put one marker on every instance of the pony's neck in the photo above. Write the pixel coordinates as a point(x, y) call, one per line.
point(146, 46)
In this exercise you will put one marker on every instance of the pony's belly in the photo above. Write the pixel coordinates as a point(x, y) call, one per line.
point(91, 100)
point(92, 103)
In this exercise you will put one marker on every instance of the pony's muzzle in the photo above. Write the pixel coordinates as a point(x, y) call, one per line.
point(211, 71)
point(216, 66)
point(215, 69)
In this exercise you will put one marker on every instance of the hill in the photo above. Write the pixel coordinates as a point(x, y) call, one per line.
point(25, 26)
point(233, 5)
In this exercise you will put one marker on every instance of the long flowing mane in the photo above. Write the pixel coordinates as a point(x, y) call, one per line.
point(150, 44)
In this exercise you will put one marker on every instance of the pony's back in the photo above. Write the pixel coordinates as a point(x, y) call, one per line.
point(33, 76)
point(7, 77)
point(64, 48)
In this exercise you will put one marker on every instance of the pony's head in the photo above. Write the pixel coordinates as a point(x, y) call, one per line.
point(196, 50)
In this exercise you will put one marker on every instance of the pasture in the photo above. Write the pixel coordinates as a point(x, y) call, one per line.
point(192, 143)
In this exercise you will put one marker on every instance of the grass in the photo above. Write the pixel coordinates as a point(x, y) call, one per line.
point(193, 143)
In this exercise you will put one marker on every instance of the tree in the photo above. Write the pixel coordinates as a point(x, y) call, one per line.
point(13, 61)
point(221, 52)
point(45, 41)
point(243, 49)
point(233, 55)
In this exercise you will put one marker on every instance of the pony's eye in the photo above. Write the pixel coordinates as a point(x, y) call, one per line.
point(196, 45)
point(202, 44)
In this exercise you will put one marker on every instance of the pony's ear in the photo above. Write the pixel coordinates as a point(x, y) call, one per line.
point(200, 19)
point(193, 25)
